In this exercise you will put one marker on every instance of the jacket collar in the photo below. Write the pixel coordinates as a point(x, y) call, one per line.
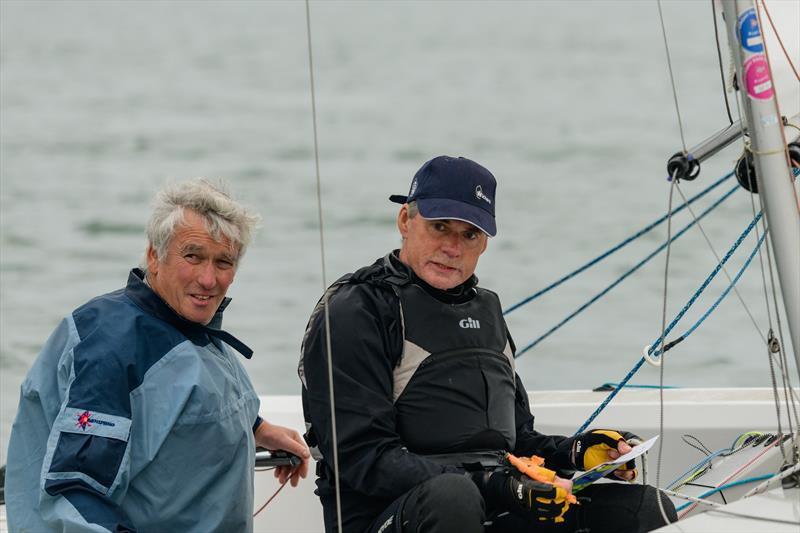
point(146, 298)
point(457, 294)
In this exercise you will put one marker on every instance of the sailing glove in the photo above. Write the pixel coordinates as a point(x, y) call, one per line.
point(521, 495)
point(591, 448)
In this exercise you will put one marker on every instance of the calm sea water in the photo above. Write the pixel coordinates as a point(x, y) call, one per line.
point(568, 103)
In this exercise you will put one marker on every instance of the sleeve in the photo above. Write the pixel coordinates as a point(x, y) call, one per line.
point(555, 449)
point(365, 333)
point(85, 470)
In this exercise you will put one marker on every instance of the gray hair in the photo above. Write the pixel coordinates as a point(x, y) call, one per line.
point(224, 216)
point(413, 210)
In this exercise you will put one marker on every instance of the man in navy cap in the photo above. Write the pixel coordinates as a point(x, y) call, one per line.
point(427, 400)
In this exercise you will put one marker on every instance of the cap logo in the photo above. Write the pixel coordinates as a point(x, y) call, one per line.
point(479, 194)
point(413, 187)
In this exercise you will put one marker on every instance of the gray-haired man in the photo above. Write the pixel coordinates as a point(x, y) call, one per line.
point(136, 415)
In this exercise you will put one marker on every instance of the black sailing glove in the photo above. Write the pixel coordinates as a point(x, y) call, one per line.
point(523, 496)
point(591, 448)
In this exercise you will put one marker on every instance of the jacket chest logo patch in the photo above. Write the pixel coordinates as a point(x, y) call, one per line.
point(85, 420)
point(469, 323)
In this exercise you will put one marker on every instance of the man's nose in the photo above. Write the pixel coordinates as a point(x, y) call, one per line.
point(451, 244)
point(207, 277)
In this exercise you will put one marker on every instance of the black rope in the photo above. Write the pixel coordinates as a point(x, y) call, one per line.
point(719, 58)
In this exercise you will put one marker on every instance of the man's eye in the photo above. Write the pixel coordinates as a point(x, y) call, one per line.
point(225, 264)
point(470, 235)
point(439, 226)
point(192, 258)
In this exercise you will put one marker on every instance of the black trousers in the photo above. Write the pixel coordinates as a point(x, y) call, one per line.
point(451, 503)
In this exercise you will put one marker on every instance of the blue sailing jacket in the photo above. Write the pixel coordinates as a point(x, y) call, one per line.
point(133, 419)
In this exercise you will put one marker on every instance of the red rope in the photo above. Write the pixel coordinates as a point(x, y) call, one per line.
point(275, 493)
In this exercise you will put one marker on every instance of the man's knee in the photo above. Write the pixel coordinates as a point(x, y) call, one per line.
point(620, 507)
point(650, 515)
point(448, 502)
point(453, 490)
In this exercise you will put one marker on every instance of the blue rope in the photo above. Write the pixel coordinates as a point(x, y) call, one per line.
point(615, 248)
point(683, 311)
point(724, 293)
point(708, 458)
point(630, 386)
point(625, 275)
point(724, 487)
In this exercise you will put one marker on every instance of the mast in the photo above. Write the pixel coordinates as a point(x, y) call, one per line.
point(768, 144)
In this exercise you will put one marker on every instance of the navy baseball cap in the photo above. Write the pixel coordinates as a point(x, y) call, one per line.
point(454, 188)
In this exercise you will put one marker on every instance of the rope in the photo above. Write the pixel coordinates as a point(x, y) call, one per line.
point(719, 299)
point(671, 77)
point(324, 275)
point(613, 249)
point(725, 270)
point(673, 184)
point(274, 494)
point(683, 311)
point(719, 58)
point(624, 276)
point(725, 487)
point(780, 41)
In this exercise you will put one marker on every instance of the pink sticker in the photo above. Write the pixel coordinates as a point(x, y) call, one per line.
point(756, 78)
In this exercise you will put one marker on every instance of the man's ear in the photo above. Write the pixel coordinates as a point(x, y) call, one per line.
point(152, 260)
point(402, 221)
point(485, 244)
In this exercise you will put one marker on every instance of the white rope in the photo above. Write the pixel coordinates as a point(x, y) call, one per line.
point(671, 76)
point(720, 508)
point(661, 509)
point(324, 276)
point(768, 483)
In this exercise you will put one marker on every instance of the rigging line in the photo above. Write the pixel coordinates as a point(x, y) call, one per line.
point(325, 306)
point(673, 184)
point(717, 301)
point(274, 494)
point(766, 484)
point(719, 58)
point(671, 76)
point(727, 486)
point(720, 508)
point(780, 41)
point(787, 384)
point(724, 270)
point(702, 448)
point(623, 277)
point(672, 324)
point(616, 247)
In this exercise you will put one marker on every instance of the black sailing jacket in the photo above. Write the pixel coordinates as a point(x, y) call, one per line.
point(375, 464)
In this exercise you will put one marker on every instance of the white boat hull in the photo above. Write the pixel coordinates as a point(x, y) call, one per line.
point(715, 416)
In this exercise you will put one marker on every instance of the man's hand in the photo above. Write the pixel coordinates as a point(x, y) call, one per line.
point(602, 445)
point(522, 495)
point(274, 437)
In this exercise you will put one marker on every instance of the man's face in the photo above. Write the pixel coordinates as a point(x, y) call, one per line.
point(444, 253)
point(196, 273)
